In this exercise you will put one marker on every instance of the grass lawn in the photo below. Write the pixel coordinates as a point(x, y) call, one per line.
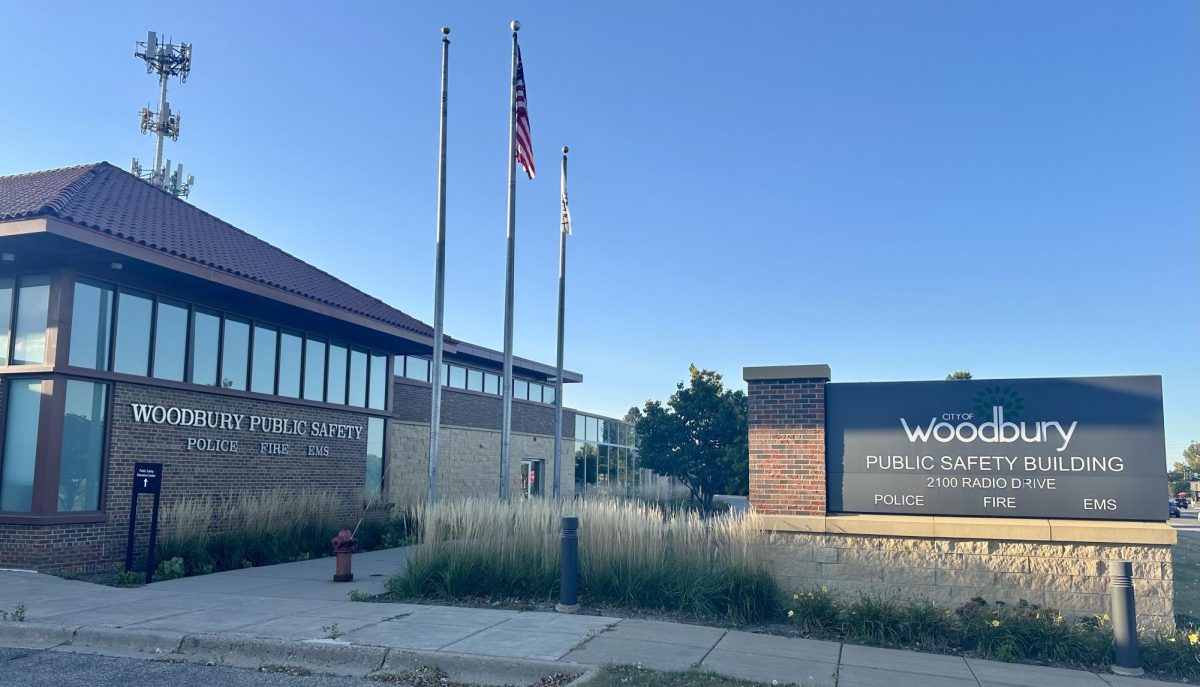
point(1187, 575)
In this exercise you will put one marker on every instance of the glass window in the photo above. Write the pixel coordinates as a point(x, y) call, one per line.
point(235, 351)
point(91, 324)
point(132, 354)
point(314, 370)
point(377, 396)
point(206, 336)
point(590, 429)
point(458, 377)
point(170, 340)
point(609, 435)
point(491, 383)
point(358, 378)
point(601, 433)
point(82, 446)
point(20, 445)
point(337, 374)
point(475, 380)
point(374, 471)
point(445, 374)
point(290, 345)
point(416, 368)
point(520, 389)
point(548, 394)
point(6, 296)
point(33, 302)
point(535, 392)
point(579, 427)
point(262, 363)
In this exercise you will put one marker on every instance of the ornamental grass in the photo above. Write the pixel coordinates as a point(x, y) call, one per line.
point(631, 555)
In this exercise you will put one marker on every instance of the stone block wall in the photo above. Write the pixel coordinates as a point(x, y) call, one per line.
point(468, 462)
point(1068, 577)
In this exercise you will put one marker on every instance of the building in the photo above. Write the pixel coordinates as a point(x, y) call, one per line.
point(135, 327)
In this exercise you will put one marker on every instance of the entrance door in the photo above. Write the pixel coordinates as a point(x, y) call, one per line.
point(531, 477)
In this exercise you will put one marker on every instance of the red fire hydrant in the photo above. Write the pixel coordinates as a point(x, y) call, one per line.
point(343, 546)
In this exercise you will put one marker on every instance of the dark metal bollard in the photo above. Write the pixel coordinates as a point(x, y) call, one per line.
point(1124, 619)
point(568, 598)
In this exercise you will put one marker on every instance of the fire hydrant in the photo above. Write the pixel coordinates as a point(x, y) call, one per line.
point(343, 546)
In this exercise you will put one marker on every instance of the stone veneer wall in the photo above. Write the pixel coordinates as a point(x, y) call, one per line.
point(1068, 577)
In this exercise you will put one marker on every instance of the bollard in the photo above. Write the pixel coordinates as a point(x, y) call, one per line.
point(1124, 619)
point(568, 598)
point(343, 547)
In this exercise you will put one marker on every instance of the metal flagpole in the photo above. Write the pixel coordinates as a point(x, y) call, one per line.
point(439, 284)
point(564, 229)
point(506, 426)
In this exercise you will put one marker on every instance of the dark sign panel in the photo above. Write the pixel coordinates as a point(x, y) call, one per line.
point(1088, 447)
point(147, 478)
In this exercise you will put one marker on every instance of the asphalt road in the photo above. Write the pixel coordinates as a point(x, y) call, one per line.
point(1188, 522)
point(39, 668)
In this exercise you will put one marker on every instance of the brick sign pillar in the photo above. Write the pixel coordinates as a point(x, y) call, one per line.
point(787, 438)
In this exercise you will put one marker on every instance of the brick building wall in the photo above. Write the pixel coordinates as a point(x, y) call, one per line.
point(476, 409)
point(786, 422)
point(253, 469)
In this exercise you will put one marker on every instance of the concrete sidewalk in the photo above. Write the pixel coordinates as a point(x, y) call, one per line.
point(286, 614)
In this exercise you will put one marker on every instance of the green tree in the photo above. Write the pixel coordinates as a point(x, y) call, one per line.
point(698, 436)
point(959, 375)
point(1180, 476)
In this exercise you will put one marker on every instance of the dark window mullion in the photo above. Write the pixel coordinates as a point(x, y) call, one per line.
point(153, 335)
point(112, 331)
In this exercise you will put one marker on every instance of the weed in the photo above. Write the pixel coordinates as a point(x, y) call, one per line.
point(356, 595)
point(125, 577)
point(814, 611)
point(17, 614)
point(170, 569)
point(332, 631)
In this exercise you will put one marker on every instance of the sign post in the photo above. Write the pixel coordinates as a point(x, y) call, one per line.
point(147, 479)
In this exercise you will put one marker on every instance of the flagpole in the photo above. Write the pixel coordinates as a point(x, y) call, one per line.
point(439, 284)
point(562, 300)
point(506, 426)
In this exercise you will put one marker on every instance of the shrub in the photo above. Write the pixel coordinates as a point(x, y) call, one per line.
point(875, 619)
point(815, 612)
point(631, 554)
point(1028, 631)
point(169, 569)
point(1175, 654)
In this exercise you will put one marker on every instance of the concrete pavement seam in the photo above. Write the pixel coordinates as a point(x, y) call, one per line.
point(972, 670)
point(710, 649)
point(837, 667)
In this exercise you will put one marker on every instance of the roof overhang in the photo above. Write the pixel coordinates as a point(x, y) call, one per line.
point(57, 227)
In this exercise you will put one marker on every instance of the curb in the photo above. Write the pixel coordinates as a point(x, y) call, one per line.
point(341, 658)
point(320, 656)
point(34, 635)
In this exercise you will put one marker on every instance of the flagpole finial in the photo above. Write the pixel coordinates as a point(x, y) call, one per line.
point(516, 25)
point(445, 30)
point(564, 150)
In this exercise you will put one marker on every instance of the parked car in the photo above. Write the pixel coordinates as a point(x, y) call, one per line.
point(1173, 509)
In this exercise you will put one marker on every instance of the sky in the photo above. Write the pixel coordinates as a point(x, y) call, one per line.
point(898, 189)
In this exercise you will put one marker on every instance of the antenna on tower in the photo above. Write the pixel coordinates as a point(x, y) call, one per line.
point(167, 60)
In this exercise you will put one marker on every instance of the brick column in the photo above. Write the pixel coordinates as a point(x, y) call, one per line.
point(787, 438)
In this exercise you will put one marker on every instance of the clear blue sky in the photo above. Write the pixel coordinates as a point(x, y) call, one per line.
point(898, 189)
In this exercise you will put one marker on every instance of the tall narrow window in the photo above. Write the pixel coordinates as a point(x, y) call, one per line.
point(474, 380)
point(314, 370)
point(289, 364)
point(262, 365)
point(6, 301)
point(82, 446)
point(33, 303)
point(132, 355)
point(374, 468)
point(170, 340)
point(235, 351)
point(377, 394)
point(458, 377)
point(206, 337)
point(521, 389)
point(91, 325)
point(337, 374)
point(416, 368)
point(358, 378)
point(548, 394)
point(24, 407)
point(491, 383)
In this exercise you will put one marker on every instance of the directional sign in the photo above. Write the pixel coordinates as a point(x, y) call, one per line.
point(147, 478)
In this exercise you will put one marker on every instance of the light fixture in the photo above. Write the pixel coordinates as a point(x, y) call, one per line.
point(115, 265)
point(7, 257)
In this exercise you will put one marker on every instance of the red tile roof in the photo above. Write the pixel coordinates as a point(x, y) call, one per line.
point(116, 203)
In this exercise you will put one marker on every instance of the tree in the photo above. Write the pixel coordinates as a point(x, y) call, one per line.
point(1183, 472)
point(699, 437)
point(958, 375)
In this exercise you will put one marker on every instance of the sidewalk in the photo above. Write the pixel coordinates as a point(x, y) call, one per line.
point(281, 614)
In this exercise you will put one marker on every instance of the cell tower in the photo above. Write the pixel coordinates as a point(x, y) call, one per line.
point(167, 59)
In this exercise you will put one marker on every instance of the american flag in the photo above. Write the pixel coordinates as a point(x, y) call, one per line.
point(521, 107)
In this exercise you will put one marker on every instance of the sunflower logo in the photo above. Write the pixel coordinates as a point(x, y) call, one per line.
point(1002, 396)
